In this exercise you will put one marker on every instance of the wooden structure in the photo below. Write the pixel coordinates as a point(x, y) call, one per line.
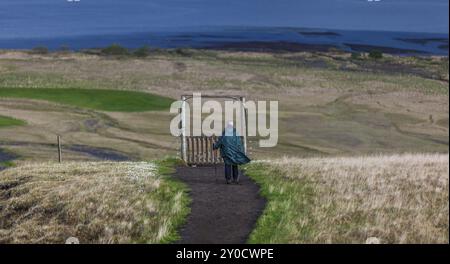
point(198, 150)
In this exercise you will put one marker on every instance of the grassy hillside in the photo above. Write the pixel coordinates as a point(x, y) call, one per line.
point(8, 121)
point(330, 103)
point(395, 198)
point(106, 100)
point(96, 202)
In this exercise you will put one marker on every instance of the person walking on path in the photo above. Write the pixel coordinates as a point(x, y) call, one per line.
point(232, 152)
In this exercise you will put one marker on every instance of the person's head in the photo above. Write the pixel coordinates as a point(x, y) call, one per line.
point(230, 124)
point(229, 129)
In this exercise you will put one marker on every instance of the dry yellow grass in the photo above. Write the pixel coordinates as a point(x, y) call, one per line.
point(395, 198)
point(96, 202)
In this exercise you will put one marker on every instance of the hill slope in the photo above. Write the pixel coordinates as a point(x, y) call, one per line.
point(395, 198)
point(96, 202)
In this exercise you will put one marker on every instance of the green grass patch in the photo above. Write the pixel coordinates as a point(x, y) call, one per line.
point(7, 164)
point(288, 203)
point(172, 187)
point(8, 121)
point(98, 99)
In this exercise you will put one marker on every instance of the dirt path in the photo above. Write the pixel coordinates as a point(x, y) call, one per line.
point(220, 213)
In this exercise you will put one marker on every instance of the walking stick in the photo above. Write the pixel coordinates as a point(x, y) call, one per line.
point(215, 171)
point(215, 165)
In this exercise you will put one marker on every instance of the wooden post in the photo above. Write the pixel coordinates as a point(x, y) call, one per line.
point(183, 129)
point(244, 123)
point(59, 149)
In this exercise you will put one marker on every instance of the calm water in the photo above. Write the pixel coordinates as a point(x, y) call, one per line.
point(181, 23)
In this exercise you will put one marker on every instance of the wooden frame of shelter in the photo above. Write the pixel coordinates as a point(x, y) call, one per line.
point(198, 150)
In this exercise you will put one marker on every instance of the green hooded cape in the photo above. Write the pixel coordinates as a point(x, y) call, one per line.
point(231, 148)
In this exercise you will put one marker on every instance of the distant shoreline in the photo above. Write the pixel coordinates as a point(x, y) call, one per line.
point(256, 46)
point(253, 39)
point(281, 46)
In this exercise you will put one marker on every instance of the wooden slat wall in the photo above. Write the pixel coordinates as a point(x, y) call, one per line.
point(199, 150)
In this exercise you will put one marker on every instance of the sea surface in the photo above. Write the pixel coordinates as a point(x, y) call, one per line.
point(392, 26)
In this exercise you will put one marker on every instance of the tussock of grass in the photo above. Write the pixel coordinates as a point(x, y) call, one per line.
point(96, 202)
point(99, 99)
point(8, 121)
point(6, 164)
point(396, 198)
